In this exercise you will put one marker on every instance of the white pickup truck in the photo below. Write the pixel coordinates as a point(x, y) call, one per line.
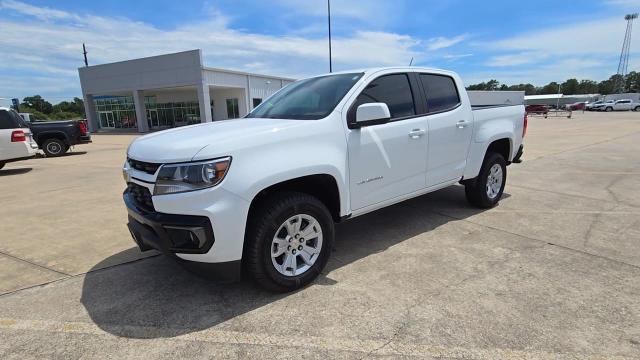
point(261, 194)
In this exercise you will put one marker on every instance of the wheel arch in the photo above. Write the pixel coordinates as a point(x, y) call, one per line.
point(501, 143)
point(324, 187)
point(44, 136)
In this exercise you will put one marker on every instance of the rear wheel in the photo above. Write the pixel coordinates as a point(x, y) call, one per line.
point(288, 242)
point(54, 147)
point(486, 190)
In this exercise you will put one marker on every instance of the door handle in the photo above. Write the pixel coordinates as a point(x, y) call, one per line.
point(416, 133)
point(462, 124)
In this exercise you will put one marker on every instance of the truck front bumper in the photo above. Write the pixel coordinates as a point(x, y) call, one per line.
point(178, 234)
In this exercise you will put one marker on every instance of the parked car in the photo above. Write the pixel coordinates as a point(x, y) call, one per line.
point(539, 109)
point(56, 137)
point(16, 141)
point(604, 105)
point(591, 106)
point(576, 106)
point(262, 193)
point(621, 105)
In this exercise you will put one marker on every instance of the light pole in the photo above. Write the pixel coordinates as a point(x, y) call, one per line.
point(329, 20)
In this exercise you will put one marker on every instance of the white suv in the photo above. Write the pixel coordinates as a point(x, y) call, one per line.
point(16, 142)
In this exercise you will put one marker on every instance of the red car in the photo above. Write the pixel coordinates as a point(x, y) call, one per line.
point(539, 109)
point(576, 106)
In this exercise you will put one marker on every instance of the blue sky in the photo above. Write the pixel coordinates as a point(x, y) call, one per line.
point(512, 41)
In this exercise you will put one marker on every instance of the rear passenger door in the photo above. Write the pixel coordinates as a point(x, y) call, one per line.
point(388, 160)
point(450, 128)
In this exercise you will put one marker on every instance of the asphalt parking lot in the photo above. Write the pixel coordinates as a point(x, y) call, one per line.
point(552, 272)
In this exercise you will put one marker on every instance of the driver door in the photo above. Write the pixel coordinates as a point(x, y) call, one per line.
point(388, 160)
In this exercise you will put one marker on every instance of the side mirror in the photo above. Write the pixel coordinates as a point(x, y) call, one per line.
point(372, 114)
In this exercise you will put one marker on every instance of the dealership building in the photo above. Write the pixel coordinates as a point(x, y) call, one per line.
point(168, 91)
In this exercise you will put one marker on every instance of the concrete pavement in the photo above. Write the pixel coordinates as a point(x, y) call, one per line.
point(552, 272)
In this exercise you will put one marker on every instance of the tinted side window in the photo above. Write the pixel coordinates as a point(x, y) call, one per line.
point(442, 93)
point(393, 90)
point(6, 120)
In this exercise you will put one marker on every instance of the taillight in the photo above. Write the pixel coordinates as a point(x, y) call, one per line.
point(525, 124)
point(18, 136)
point(83, 128)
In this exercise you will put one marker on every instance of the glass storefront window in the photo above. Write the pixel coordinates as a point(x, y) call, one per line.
point(118, 112)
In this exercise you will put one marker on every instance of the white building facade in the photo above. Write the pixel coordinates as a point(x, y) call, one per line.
point(167, 91)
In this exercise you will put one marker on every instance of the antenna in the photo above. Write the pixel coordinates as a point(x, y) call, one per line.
point(329, 20)
point(84, 51)
point(411, 62)
point(623, 64)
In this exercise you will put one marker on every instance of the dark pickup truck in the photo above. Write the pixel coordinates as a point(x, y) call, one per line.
point(56, 137)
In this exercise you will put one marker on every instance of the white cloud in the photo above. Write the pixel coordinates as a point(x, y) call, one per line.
point(42, 13)
point(514, 59)
point(456, 56)
point(593, 37)
point(441, 42)
point(59, 43)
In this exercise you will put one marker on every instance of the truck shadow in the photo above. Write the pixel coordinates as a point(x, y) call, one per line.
point(157, 298)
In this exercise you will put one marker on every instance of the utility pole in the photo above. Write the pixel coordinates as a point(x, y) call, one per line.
point(329, 19)
point(623, 64)
point(84, 51)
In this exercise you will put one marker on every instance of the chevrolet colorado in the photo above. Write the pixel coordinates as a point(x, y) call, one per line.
point(261, 194)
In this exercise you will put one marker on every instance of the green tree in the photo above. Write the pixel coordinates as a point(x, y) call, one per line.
point(37, 115)
point(38, 103)
point(76, 106)
point(633, 82)
point(570, 87)
point(587, 87)
point(550, 88)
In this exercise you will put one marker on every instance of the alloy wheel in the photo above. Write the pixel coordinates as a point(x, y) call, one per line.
point(296, 245)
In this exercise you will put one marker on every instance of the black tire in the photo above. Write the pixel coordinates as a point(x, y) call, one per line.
point(637, 108)
point(272, 213)
point(54, 147)
point(476, 189)
point(1, 165)
point(608, 109)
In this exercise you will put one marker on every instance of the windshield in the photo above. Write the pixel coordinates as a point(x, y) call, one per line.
point(309, 99)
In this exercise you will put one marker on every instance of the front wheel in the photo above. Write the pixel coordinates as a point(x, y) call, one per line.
point(486, 190)
point(1, 165)
point(288, 242)
point(637, 108)
point(609, 109)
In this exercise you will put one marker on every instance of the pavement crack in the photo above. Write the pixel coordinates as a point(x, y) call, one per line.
point(34, 264)
point(545, 242)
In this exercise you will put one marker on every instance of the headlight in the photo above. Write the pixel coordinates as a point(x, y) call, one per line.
point(177, 178)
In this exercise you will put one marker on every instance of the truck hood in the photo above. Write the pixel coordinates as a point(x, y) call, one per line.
point(220, 138)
